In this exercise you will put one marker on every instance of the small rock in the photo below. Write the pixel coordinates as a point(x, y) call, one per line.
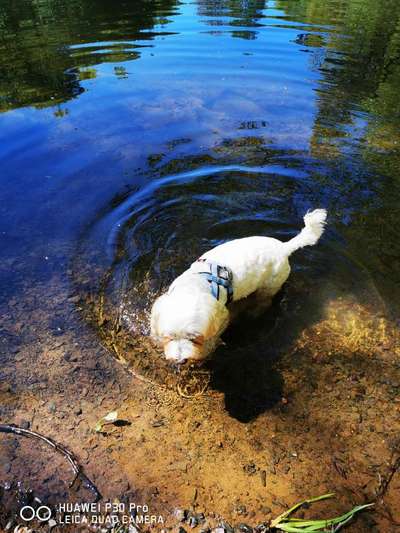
point(250, 469)
point(51, 523)
point(5, 387)
point(200, 518)
point(227, 527)
point(180, 515)
point(69, 357)
point(193, 522)
point(74, 299)
point(241, 509)
point(243, 528)
point(25, 424)
point(78, 411)
point(51, 407)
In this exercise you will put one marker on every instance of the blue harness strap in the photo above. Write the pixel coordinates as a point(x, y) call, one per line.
point(218, 276)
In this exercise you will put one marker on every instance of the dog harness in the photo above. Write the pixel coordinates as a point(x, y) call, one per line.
point(218, 276)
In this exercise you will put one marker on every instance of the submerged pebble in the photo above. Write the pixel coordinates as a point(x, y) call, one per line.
point(243, 528)
point(180, 515)
point(193, 522)
point(227, 528)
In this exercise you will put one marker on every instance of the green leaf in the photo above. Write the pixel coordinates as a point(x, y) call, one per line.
point(292, 509)
point(301, 525)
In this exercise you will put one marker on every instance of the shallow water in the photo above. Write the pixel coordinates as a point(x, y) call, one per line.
point(136, 135)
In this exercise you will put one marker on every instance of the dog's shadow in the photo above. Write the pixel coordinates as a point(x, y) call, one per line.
point(245, 367)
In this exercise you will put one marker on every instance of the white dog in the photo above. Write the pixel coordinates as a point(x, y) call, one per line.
point(189, 319)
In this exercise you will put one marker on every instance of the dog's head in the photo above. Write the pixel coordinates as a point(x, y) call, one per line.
point(184, 350)
point(188, 325)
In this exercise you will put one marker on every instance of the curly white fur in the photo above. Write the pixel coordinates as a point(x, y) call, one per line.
point(188, 321)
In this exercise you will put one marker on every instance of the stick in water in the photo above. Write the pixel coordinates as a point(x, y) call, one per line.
point(77, 469)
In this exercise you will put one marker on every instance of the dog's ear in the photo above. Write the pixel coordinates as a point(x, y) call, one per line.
point(198, 340)
point(155, 317)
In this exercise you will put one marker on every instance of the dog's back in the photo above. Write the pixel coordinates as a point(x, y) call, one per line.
point(262, 263)
point(255, 262)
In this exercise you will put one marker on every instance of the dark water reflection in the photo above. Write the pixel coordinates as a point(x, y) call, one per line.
point(48, 48)
point(142, 133)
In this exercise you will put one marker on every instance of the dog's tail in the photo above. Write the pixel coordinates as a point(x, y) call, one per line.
point(314, 224)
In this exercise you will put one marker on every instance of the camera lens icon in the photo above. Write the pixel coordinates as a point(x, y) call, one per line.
point(28, 513)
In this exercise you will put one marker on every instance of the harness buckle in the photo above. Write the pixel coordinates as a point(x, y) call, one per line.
point(218, 276)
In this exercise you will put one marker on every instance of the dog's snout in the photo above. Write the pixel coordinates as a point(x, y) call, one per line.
point(181, 365)
point(179, 351)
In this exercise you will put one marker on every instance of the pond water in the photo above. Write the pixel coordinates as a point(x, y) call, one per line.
point(230, 118)
point(136, 135)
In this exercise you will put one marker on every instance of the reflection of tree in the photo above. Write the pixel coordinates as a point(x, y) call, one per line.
point(240, 13)
point(360, 66)
point(358, 97)
point(384, 104)
point(47, 47)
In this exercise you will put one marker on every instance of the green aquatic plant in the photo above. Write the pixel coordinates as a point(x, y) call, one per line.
point(300, 525)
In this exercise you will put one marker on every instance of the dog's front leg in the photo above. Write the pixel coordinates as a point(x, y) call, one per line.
point(260, 301)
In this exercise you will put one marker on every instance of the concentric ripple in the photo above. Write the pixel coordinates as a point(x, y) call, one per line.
point(149, 236)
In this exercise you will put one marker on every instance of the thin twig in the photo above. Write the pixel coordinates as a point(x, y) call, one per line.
point(77, 469)
point(385, 482)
